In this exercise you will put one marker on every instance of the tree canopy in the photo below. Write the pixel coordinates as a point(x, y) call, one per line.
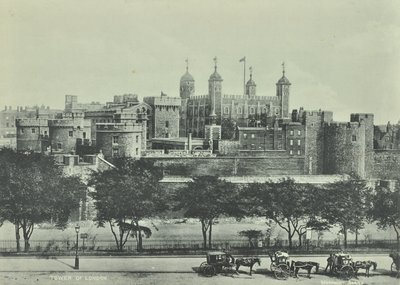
point(288, 204)
point(125, 195)
point(343, 203)
point(385, 208)
point(33, 190)
point(207, 198)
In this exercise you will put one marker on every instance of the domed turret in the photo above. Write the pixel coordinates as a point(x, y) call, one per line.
point(251, 85)
point(186, 83)
point(283, 92)
point(215, 76)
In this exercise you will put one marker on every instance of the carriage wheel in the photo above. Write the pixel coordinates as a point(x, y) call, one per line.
point(282, 272)
point(209, 271)
point(202, 266)
point(346, 272)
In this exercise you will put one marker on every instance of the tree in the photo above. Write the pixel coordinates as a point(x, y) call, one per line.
point(125, 195)
point(252, 235)
point(288, 204)
point(33, 190)
point(343, 203)
point(228, 129)
point(207, 198)
point(385, 209)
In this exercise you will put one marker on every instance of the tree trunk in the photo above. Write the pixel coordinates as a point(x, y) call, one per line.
point(209, 235)
point(300, 239)
point(290, 236)
point(204, 232)
point(17, 237)
point(27, 245)
point(356, 237)
point(140, 239)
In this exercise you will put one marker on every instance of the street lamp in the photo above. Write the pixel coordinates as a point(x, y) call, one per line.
point(77, 227)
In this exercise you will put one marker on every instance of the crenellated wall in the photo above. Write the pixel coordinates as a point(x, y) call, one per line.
point(344, 151)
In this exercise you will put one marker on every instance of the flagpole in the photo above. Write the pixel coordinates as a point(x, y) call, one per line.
point(244, 77)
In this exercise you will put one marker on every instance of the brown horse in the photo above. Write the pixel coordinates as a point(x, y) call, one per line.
point(308, 265)
point(365, 265)
point(248, 261)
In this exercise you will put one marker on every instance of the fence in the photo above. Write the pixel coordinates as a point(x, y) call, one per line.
point(191, 246)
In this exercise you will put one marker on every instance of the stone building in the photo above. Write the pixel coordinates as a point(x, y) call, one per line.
point(119, 139)
point(164, 122)
point(8, 117)
point(197, 111)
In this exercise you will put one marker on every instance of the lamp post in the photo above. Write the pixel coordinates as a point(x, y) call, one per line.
point(76, 252)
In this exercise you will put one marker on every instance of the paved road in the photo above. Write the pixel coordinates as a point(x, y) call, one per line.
point(164, 270)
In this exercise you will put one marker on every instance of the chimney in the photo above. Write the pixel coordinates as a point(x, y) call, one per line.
point(5, 108)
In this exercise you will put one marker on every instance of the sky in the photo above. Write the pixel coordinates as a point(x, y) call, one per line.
point(342, 56)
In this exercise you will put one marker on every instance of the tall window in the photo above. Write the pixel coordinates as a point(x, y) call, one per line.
point(137, 139)
point(251, 110)
point(239, 110)
point(291, 142)
point(33, 131)
point(137, 151)
point(298, 142)
point(298, 132)
point(115, 139)
point(291, 132)
point(226, 110)
point(70, 133)
point(167, 124)
point(353, 138)
point(84, 135)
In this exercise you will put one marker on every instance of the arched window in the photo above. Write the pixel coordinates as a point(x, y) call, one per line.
point(226, 110)
point(239, 110)
point(251, 110)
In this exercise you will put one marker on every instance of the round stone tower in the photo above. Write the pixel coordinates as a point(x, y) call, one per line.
point(186, 86)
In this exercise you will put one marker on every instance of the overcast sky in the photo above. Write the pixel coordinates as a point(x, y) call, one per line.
point(342, 56)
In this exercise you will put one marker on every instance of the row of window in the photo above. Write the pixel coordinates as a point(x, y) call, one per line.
point(298, 152)
point(298, 142)
point(292, 132)
point(251, 110)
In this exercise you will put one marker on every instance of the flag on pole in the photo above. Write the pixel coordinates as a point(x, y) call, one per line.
point(242, 59)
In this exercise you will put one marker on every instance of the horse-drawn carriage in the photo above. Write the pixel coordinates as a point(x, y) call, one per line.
point(217, 261)
point(341, 264)
point(280, 264)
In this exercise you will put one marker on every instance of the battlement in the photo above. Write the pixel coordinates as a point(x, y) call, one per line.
point(31, 122)
point(198, 97)
point(68, 123)
point(118, 127)
point(163, 101)
point(343, 125)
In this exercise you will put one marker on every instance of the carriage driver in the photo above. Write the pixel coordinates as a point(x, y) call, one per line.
point(281, 257)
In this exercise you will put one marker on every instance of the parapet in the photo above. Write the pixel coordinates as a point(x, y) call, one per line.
point(118, 127)
point(31, 122)
point(163, 101)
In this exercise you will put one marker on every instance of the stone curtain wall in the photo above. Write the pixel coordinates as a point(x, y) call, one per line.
point(228, 166)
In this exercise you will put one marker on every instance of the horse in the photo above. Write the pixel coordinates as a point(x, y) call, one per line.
point(308, 265)
point(396, 260)
point(365, 265)
point(249, 262)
